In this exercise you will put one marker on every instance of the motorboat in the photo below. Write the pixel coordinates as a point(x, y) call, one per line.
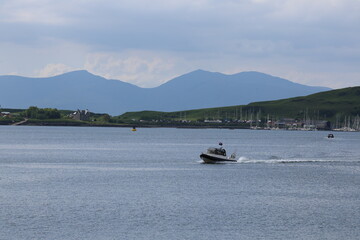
point(217, 155)
point(330, 135)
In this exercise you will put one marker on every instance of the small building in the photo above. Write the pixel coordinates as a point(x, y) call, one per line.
point(287, 123)
point(213, 121)
point(5, 114)
point(323, 125)
point(82, 115)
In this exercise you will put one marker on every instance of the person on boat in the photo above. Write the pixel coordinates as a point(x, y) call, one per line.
point(222, 151)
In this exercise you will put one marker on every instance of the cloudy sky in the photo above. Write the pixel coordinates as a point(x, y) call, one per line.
point(149, 42)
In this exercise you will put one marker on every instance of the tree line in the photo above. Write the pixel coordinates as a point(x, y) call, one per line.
point(41, 113)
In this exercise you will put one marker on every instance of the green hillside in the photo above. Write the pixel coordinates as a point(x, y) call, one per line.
point(332, 105)
point(326, 105)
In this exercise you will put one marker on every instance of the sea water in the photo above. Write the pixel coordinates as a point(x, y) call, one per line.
point(113, 183)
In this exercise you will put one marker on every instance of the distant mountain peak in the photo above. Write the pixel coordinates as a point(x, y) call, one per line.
point(198, 74)
point(253, 73)
point(195, 72)
point(200, 71)
point(82, 73)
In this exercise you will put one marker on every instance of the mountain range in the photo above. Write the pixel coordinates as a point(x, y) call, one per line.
point(194, 90)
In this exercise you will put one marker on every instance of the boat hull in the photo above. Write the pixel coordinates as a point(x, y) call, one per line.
point(211, 158)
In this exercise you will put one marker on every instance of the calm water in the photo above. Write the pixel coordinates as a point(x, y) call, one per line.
point(111, 183)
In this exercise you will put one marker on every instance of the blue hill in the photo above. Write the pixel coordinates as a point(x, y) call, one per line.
point(198, 89)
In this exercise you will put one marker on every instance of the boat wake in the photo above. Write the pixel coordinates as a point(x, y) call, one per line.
point(274, 160)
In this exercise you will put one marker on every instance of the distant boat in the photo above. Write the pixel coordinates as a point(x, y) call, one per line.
point(217, 155)
point(133, 129)
point(330, 135)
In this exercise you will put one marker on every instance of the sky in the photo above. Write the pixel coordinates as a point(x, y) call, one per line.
point(147, 43)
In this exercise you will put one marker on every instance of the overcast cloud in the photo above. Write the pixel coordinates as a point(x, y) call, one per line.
point(149, 42)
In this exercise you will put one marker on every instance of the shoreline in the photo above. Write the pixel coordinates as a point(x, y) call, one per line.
point(127, 125)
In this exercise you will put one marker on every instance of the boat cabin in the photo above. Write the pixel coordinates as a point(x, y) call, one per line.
point(217, 151)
